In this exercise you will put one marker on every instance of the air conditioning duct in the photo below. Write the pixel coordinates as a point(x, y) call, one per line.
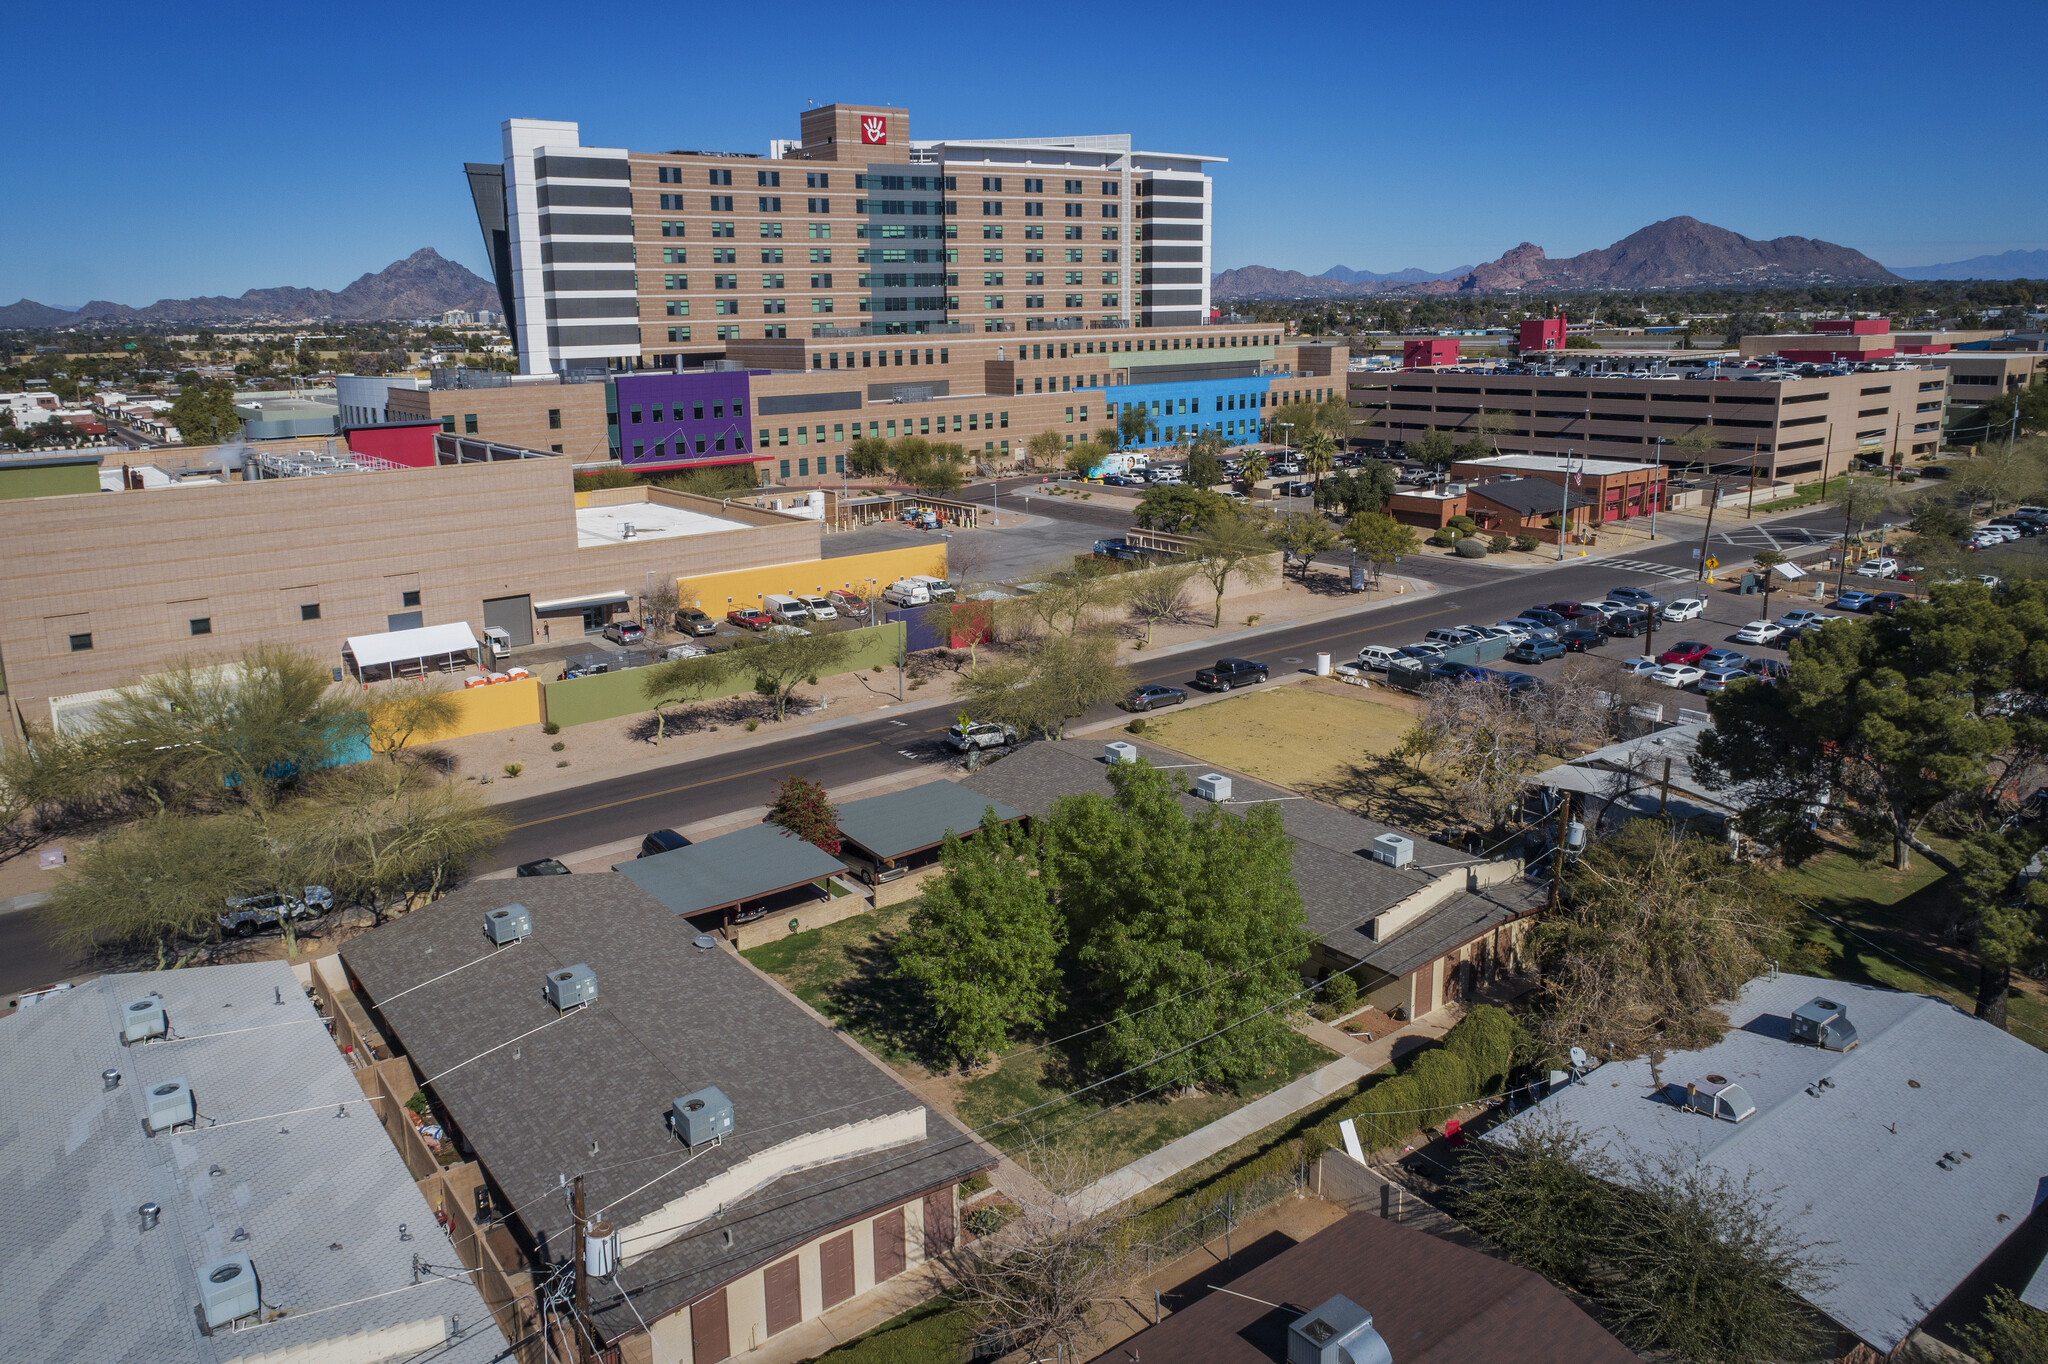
point(508, 925)
point(703, 1116)
point(1213, 786)
point(569, 987)
point(143, 1019)
point(1338, 1332)
point(228, 1291)
point(1393, 850)
point(169, 1104)
point(1117, 751)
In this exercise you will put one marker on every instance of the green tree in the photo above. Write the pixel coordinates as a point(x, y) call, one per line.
point(781, 659)
point(1251, 471)
point(158, 883)
point(1204, 470)
point(2004, 914)
point(1132, 424)
point(1081, 461)
point(1231, 546)
point(1318, 454)
point(1490, 425)
point(1179, 509)
point(1692, 447)
point(802, 807)
point(1358, 490)
point(2010, 1333)
point(1046, 449)
point(383, 847)
point(1207, 441)
point(1436, 450)
point(415, 708)
point(982, 947)
point(1045, 683)
point(1380, 540)
point(680, 681)
point(868, 457)
point(1304, 535)
point(1183, 927)
point(205, 414)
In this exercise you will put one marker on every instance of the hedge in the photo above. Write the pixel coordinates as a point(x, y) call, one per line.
point(941, 1336)
point(1471, 1064)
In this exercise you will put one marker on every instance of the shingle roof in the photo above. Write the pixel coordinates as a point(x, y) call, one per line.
point(748, 864)
point(587, 1091)
point(902, 822)
point(1858, 1156)
point(287, 1150)
point(1526, 496)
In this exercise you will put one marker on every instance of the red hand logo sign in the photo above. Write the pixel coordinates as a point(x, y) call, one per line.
point(874, 129)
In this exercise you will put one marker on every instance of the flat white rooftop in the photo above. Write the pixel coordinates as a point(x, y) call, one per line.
point(1552, 464)
point(649, 520)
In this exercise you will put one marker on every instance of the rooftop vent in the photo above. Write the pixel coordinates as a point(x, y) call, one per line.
point(143, 1019)
point(1393, 850)
point(570, 987)
point(508, 925)
point(1213, 786)
point(1338, 1332)
point(1718, 1097)
point(1823, 1023)
point(701, 1117)
point(1117, 751)
point(228, 1291)
point(169, 1104)
point(704, 942)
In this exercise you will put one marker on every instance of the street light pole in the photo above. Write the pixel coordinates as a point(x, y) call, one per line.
point(1564, 515)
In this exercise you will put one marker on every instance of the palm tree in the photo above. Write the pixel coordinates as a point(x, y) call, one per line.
point(1318, 454)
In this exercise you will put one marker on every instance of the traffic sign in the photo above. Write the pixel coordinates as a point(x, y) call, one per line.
point(1713, 563)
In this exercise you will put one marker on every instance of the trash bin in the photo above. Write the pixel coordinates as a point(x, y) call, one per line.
point(1322, 665)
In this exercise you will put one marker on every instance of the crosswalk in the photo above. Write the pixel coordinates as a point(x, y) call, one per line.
point(1674, 572)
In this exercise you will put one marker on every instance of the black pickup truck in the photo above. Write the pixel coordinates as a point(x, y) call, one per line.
point(1228, 673)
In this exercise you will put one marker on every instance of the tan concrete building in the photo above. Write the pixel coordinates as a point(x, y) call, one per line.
point(1975, 377)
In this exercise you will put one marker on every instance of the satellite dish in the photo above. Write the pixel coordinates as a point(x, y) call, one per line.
point(1579, 1061)
point(705, 942)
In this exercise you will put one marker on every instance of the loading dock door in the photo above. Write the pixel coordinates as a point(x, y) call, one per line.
point(513, 615)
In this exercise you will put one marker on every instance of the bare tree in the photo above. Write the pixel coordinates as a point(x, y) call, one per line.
point(1234, 545)
point(1159, 596)
point(406, 710)
point(658, 604)
point(681, 680)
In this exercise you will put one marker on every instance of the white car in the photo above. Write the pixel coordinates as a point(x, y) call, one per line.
point(1516, 630)
point(1877, 568)
point(980, 734)
point(1800, 620)
point(1685, 608)
point(1759, 632)
point(819, 608)
point(1433, 650)
point(1677, 675)
point(1376, 657)
point(1640, 666)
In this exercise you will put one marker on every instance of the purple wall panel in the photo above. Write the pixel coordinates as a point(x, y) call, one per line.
point(692, 415)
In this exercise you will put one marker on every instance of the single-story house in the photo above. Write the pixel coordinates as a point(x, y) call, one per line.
point(896, 837)
point(752, 885)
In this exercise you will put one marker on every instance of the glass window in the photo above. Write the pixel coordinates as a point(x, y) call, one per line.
point(81, 643)
point(202, 625)
point(469, 423)
point(309, 611)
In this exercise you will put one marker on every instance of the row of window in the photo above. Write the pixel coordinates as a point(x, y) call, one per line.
point(880, 358)
point(706, 445)
point(993, 255)
point(767, 179)
point(993, 184)
point(993, 303)
point(973, 421)
point(993, 208)
point(203, 625)
point(993, 279)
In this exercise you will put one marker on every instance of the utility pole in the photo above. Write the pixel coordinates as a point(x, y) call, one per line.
point(582, 1276)
point(1826, 451)
point(1564, 820)
point(1657, 488)
point(1564, 514)
point(1664, 793)
point(1713, 500)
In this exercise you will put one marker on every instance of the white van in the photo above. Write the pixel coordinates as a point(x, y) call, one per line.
point(906, 592)
point(788, 610)
point(938, 589)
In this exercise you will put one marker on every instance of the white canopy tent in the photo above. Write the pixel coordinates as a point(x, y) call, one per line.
point(396, 653)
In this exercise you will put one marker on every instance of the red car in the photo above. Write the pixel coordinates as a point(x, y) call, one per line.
point(751, 618)
point(1685, 651)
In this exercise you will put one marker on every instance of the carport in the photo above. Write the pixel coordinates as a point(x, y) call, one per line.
point(736, 878)
point(888, 836)
point(409, 653)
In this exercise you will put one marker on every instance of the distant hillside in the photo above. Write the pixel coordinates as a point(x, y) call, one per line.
point(421, 285)
point(2004, 265)
point(1408, 276)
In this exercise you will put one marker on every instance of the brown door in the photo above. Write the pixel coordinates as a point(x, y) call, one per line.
point(835, 1268)
point(889, 1257)
point(785, 1296)
point(938, 1222)
point(709, 1340)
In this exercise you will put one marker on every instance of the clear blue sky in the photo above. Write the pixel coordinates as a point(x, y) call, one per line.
point(172, 150)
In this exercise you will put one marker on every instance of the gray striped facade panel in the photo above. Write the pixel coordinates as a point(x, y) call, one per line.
point(586, 225)
point(586, 253)
point(1190, 318)
point(593, 307)
point(580, 168)
point(1166, 298)
point(593, 336)
point(585, 196)
point(1155, 209)
point(1171, 275)
point(1176, 253)
point(1180, 189)
point(1169, 232)
point(790, 403)
point(587, 281)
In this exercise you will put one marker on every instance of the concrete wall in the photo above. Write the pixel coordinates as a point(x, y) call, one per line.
point(719, 593)
point(502, 705)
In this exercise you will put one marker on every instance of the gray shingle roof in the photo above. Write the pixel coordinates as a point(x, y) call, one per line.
point(1526, 496)
point(1859, 1157)
point(903, 822)
point(321, 1196)
point(748, 864)
point(669, 1019)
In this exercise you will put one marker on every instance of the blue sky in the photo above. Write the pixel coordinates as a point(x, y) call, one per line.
point(178, 150)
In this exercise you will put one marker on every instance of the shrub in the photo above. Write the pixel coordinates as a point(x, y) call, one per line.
point(940, 1333)
point(753, 725)
point(1464, 525)
point(563, 763)
point(1472, 547)
point(985, 1221)
point(1444, 538)
point(514, 769)
point(1340, 993)
point(1472, 1063)
point(1499, 544)
point(557, 746)
point(1136, 726)
point(550, 727)
point(1525, 543)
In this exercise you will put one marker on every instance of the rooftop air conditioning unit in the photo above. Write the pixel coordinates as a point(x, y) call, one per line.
point(1117, 751)
point(1393, 850)
point(1213, 786)
point(508, 925)
point(570, 987)
point(1338, 1332)
point(169, 1104)
point(143, 1019)
point(700, 1117)
point(228, 1291)
point(1718, 1097)
point(1823, 1023)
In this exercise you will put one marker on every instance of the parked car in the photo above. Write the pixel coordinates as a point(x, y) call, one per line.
point(1514, 683)
point(820, 608)
point(1625, 624)
point(546, 866)
point(788, 610)
point(1677, 675)
point(1717, 679)
point(1516, 630)
point(1800, 620)
point(659, 842)
point(679, 651)
point(1877, 568)
point(1154, 696)
point(1767, 669)
point(848, 602)
point(1640, 666)
point(1450, 636)
point(904, 592)
point(980, 734)
point(1536, 651)
point(1376, 657)
point(1579, 641)
point(1643, 597)
point(750, 618)
point(1855, 600)
point(691, 621)
point(1457, 674)
point(1684, 609)
point(1538, 630)
point(1226, 673)
point(1887, 602)
point(1722, 658)
point(1117, 481)
point(1686, 651)
point(1546, 616)
point(624, 632)
point(1760, 632)
point(246, 914)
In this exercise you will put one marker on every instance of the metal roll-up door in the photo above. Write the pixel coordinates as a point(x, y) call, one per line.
point(513, 615)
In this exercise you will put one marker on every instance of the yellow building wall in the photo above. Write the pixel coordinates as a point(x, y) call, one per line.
point(718, 593)
point(503, 705)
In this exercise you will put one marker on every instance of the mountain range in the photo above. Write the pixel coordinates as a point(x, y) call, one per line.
point(1408, 276)
point(2004, 265)
point(422, 285)
point(1677, 253)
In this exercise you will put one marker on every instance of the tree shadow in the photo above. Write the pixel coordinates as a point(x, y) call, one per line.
point(879, 1001)
point(438, 761)
point(704, 716)
point(1388, 789)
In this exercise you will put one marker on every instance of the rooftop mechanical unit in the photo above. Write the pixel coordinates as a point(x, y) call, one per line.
point(700, 1117)
point(1719, 1097)
point(1823, 1023)
point(228, 1291)
point(1117, 751)
point(1338, 1332)
point(570, 987)
point(508, 925)
point(1393, 850)
point(143, 1019)
point(168, 1104)
point(1213, 786)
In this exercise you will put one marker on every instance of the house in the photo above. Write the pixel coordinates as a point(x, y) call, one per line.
point(756, 1167)
point(1416, 924)
point(1912, 1157)
point(192, 1172)
point(1429, 1302)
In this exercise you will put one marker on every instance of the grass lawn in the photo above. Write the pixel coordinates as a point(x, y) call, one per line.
point(834, 970)
point(1093, 1130)
point(1327, 740)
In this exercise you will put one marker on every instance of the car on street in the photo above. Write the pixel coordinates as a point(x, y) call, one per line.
point(1640, 666)
point(659, 842)
point(1536, 651)
point(1153, 696)
point(1684, 609)
point(691, 621)
point(1722, 658)
point(1884, 603)
point(1854, 600)
point(750, 618)
point(1686, 651)
point(1579, 641)
point(1643, 597)
point(1377, 656)
point(1877, 568)
point(980, 734)
point(624, 632)
point(546, 866)
point(1801, 620)
point(1226, 673)
point(247, 914)
point(1760, 632)
point(1677, 675)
